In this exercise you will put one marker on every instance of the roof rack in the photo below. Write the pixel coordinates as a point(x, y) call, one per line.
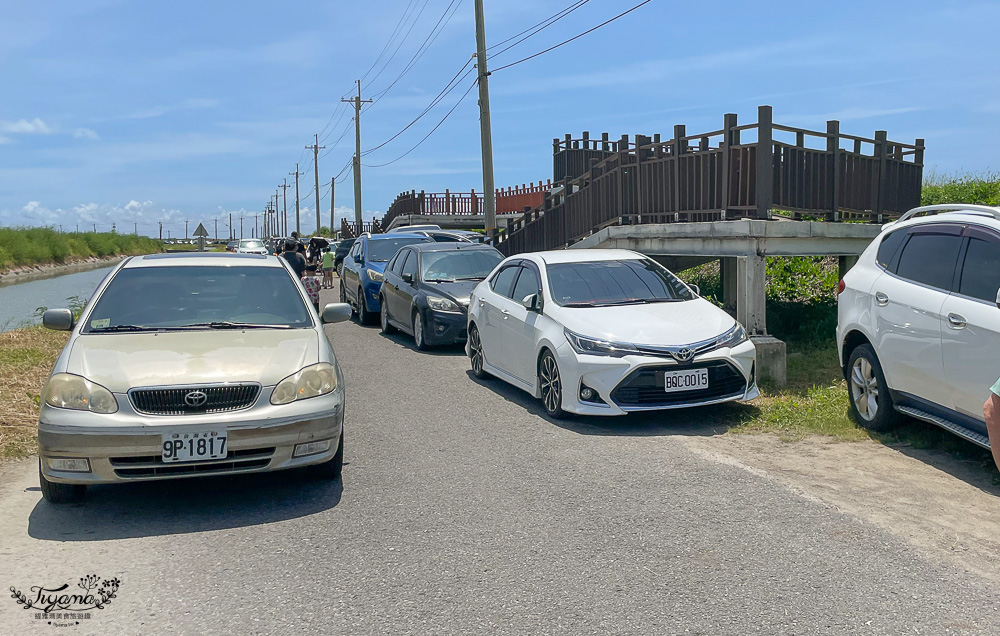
point(951, 207)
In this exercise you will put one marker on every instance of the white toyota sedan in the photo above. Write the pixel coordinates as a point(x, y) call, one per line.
point(606, 332)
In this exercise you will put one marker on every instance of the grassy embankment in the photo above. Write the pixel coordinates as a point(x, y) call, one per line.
point(39, 246)
point(802, 311)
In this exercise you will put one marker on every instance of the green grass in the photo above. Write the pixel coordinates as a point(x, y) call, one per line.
point(21, 246)
point(982, 187)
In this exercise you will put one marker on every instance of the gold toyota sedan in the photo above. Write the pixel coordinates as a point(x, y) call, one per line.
point(191, 364)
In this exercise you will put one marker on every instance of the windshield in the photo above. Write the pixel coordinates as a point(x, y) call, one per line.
point(383, 249)
point(251, 244)
point(171, 297)
point(458, 264)
point(604, 283)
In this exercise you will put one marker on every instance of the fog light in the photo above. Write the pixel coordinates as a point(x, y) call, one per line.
point(70, 465)
point(312, 448)
point(587, 393)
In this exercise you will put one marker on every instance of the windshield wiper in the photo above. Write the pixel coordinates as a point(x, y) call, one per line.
point(439, 280)
point(640, 301)
point(471, 278)
point(123, 328)
point(581, 304)
point(226, 324)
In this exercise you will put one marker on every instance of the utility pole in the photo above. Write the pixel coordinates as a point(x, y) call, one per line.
point(298, 219)
point(489, 193)
point(316, 148)
point(357, 155)
point(95, 228)
point(241, 228)
point(185, 229)
point(216, 229)
point(333, 184)
point(284, 202)
point(135, 228)
point(160, 222)
point(230, 226)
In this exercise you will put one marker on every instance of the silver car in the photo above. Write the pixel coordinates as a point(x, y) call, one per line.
point(191, 364)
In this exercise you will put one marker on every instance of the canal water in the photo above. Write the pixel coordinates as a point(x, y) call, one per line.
point(18, 302)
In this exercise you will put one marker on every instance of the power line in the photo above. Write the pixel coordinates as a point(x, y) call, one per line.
point(547, 22)
point(398, 46)
point(575, 37)
point(342, 135)
point(433, 130)
point(392, 36)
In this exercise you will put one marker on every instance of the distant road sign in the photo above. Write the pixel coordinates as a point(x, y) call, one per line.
point(201, 231)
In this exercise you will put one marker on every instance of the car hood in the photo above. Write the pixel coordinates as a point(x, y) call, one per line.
point(121, 361)
point(378, 266)
point(460, 291)
point(659, 324)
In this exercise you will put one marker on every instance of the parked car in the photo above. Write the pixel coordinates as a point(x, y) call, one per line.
point(409, 229)
point(452, 236)
point(606, 332)
point(231, 246)
point(343, 247)
point(427, 288)
point(251, 246)
point(191, 364)
point(361, 275)
point(918, 322)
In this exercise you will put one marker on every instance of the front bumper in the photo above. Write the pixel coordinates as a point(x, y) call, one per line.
point(126, 446)
point(606, 375)
point(445, 327)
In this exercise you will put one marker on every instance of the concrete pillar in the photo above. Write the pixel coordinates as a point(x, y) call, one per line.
point(730, 287)
point(750, 298)
point(845, 263)
point(771, 360)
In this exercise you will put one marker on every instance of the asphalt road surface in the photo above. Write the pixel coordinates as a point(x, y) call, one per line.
point(464, 510)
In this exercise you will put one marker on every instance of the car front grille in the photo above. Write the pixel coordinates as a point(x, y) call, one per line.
point(171, 401)
point(152, 465)
point(645, 387)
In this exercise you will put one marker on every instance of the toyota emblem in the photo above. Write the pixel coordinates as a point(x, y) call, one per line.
point(683, 355)
point(195, 399)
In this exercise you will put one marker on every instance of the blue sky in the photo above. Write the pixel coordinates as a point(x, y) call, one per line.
point(137, 112)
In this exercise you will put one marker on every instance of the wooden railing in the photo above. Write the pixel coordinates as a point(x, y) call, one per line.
point(349, 229)
point(750, 171)
point(509, 200)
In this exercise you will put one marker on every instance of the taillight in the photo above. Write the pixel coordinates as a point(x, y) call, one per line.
point(841, 287)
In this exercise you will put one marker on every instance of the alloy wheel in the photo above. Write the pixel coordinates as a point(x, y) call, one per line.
point(476, 352)
point(418, 330)
point(864, 389)
point(551, 386)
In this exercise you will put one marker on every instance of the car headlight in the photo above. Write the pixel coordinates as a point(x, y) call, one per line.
point(318, 379)
point(736, 335)
point(442, 304)
point(68, 391)
point(375, 277)
point(597, 347)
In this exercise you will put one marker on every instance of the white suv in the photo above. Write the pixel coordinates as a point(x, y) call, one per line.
point(918, 321)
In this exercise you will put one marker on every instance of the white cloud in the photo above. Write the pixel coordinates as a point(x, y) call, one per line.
point(4, 140)
point(157, 111)
point(85, 133)
point(22, 126)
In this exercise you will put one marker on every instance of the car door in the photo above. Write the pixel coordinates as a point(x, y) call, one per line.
point(391, 281)
point(491, 316)
point(970, 326)
point(908, 300)
point(403, 299)
point(352, 265)
point(519, 333)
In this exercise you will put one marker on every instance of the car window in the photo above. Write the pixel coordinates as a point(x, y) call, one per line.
point(619, 282)
point(527, 283)
point(887, 248)
point(162, 297)
point(453, 265)
point(396, 261)
point(981, 270)
point(504, 279)
point(383, 249)
point(410, 265)
point(929, 259)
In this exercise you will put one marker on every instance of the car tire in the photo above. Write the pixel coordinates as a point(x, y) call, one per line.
point(419, 337)
point(340, 269)
point(551, 385)
point(56, 493)
point(333, 468)
point(387, 328)
point(364, 316)
point(343, 297)
point(871, 403)
point(476, 356)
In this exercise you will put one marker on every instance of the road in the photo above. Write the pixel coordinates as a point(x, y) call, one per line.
point(464, 510)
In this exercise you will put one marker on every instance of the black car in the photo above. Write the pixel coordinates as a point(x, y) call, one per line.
point(343, 247)
point(427, 286)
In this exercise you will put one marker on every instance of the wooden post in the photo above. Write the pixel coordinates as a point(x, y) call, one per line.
point(880, 180)
point(833, 148)
point(765, 163)
point(475, 202)
point(604, 142)
point(729, 122)
point(586, 140)
point(677, 150)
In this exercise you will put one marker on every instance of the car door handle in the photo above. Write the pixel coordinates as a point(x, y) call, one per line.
point(482, 302)
point(506, 314)
point(881, 299)
point(956, 321)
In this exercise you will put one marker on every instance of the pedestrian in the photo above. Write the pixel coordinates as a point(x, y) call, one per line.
point(311, 283)
point(291, 254)
point(328, 268)
point(991, 411)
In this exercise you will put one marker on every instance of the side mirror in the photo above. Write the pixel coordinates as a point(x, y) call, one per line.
point(531, 302)
point(58, 319)
point(695, 289)
point(336, 312)
point(998, 298)
point(408, 278)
